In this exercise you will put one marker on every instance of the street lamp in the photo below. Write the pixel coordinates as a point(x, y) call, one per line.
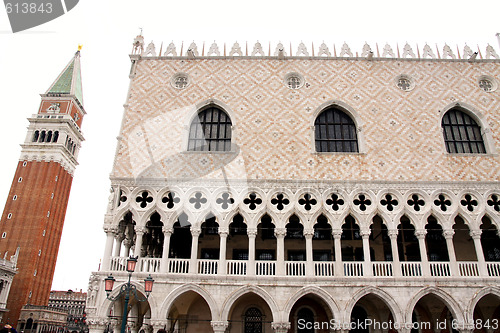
point(127, 288)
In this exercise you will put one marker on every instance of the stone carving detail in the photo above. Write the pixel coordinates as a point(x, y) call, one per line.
point(170, 50)
point(236, 49)
point(366, 50)
point(408, 51)
point(193, 48)
point(213, 50)
point(428, 53)
point(345, 51)
point(257, 49)
point(447, 52)
point(280, 48)
point(323, 50)
point(467, 52)
point(302, 50)
point(490, 52)
point(388, 52)
point(150, 50)
point(54, 107)
point(138, 45)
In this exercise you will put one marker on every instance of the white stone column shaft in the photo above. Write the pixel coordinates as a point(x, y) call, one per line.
point(193, 267)
point(476, 237)
point(368, 271)
point(222, 251)
point(423, 251)
point(396, 264)
point(252, 233)
point(166, 248)
point(280, 250)
point(339, 269)
point(308, 234)
point(108, 249)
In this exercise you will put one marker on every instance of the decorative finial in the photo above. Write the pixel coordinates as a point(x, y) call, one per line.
point(80, 47)
point(141, 32)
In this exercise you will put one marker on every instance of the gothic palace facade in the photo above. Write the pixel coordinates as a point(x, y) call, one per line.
point(271, 192)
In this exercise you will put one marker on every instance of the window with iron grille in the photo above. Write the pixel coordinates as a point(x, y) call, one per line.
point(210, 131)
point(253, 321)
point(462, 135)
point(335, 131)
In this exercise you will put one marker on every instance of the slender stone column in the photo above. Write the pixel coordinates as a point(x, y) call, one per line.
point(108, 249)
point(368, 271)
point(280, 250)
point(281, 327)
point(448, 235)
point(476, 237)
point(308, 234)
point(139, 232)
point(219, 326)
point(193, 267)
point(167, 232)
point(396, 264)
point(118, 244)
point(420, 234)
point(222, 251)
point(252, 233)
point(128, 244)
point(339, 269)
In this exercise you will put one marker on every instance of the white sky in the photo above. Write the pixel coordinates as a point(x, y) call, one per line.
point(30, 61)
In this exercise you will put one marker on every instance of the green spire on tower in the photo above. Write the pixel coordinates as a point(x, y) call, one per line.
point(69, 82)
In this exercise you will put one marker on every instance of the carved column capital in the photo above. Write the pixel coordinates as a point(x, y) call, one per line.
point(279, 232)
point(337, 233)
point(393, 233)
point(110, 229)
point(420, 233)
point(140, 230)
point(448, 234)
point(365, 233)
point(195, 232)
point(252, 232)
point(219, 326)
point(475, 234)
point(223, 232)
point(308, 233)
point(281, 327)
point(167, 231)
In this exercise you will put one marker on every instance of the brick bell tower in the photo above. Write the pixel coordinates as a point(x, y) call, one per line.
point(33, 217)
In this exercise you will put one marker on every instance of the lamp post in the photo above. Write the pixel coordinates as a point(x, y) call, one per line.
point(127, 288)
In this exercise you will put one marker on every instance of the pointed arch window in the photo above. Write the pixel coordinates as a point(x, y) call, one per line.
point(210, 131)
point(335, 131)
point(462, 135)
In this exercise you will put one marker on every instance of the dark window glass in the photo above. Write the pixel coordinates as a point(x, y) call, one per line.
point(253, 321)
point(462, 135)
point(210, 131)
point(306, 317)
point(335, 132)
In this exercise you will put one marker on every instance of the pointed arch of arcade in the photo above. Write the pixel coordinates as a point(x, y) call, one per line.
point(119, 217)
point(107, 304)
point(388, 300)
point(449, 301)
point(477, 297)
point(172, 296)
point(234, 296)
point(316, 291)
point(229, 218)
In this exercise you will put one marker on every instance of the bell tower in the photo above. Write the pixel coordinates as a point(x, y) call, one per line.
point(33, 217)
